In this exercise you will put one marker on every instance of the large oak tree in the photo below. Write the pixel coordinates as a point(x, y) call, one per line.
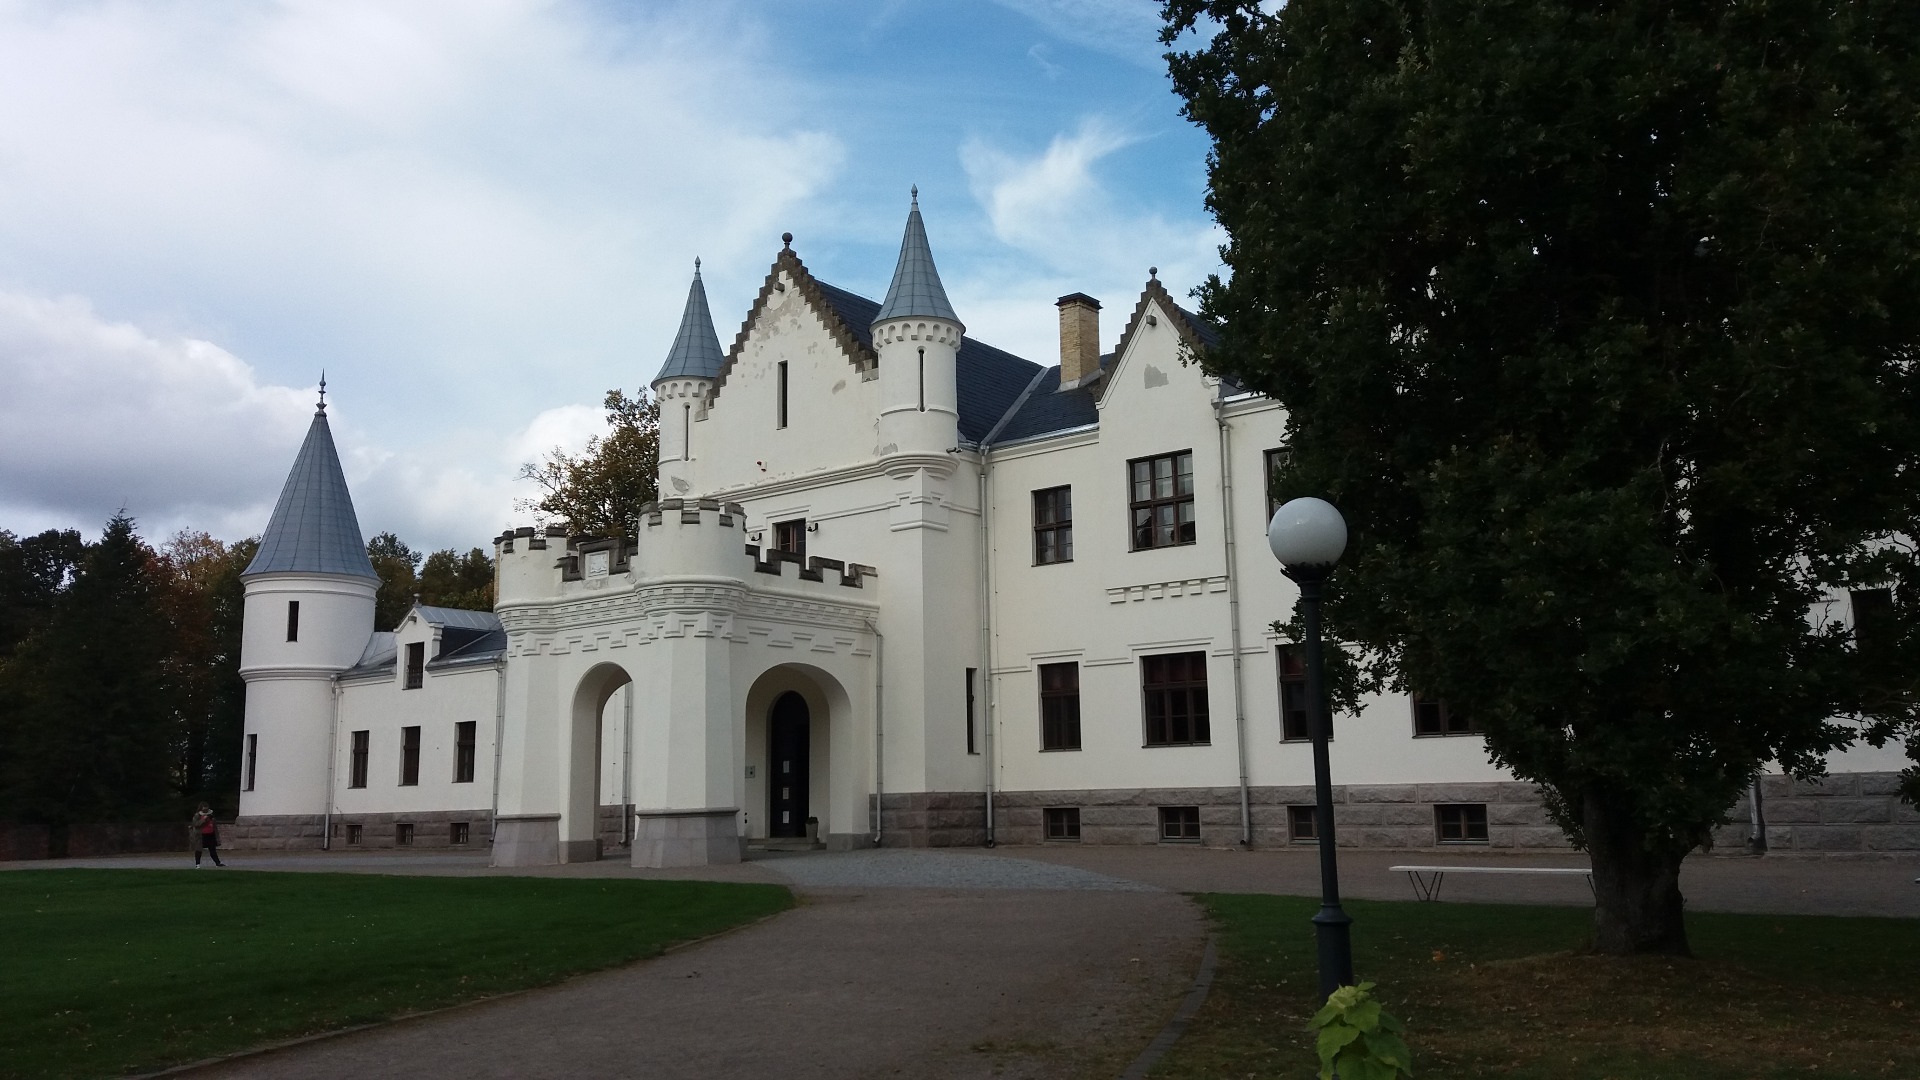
point(1599, 322)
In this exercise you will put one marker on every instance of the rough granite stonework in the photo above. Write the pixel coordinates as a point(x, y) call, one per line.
point(663, 839)
point(432, 829)
point(932, 819)
point(278, 832)
point(1846, 812)
point(527, 840)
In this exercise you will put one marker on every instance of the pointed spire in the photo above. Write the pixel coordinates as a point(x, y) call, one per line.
point(313, 529)
point(696, 348)
point(916, 291)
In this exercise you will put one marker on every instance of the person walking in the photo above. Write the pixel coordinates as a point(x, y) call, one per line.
point(206, 836)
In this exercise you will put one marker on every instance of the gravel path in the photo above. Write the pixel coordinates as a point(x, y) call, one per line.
point(899, 869)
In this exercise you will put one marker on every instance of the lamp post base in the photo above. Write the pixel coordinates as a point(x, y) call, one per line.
point(1332, 935)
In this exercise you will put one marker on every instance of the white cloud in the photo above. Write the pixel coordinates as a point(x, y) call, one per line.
point(1127, 29)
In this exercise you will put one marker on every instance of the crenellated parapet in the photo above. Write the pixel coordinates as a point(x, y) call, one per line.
point(920, 331)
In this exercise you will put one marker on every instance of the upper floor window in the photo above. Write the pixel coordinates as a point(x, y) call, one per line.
point(1053, 525)
point(1273, 459)
point(463, 750)
point(1431, 716)
point(1873, 618)
point(1060, 706)
point(293, 620)
point(1162, 500)
point(780, 392)
point(791, 536)
point(1174, 689)
point(416, 665)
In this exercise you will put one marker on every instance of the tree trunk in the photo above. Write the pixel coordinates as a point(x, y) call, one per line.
point(1637, 903)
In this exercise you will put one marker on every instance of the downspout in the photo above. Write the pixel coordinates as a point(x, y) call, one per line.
point(626, 773)
point(1233, 608)
point(879, 730)
point(499, 737)
point(333, 747)
point(986, 633)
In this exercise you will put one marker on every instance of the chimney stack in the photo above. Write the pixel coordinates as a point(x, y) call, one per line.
point(1079, 338)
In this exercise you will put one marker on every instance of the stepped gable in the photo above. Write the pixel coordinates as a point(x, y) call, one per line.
point(313, 529)
point(696, 348)
point(989, 380)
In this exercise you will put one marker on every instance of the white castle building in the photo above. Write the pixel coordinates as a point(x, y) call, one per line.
point(901, 588)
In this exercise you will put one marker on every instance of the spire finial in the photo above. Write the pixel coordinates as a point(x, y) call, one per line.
point(322, 410)
point(786, 241)
point(696, 266)
point(915, 192)
point(1153, 273)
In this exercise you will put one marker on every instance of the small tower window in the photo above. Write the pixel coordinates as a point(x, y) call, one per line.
point(293, 620)
point(686, 433)
point(253, 760)
point(780, 420)
point(923, 379)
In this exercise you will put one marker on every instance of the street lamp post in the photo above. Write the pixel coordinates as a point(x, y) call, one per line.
point(1308, 537)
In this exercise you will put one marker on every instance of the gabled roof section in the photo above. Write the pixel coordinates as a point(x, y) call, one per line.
point(1049, 409)
point(696, 348)
point(313, 529)
point(858, 346)
point(916, 292)
point(1196, 333)
point(457, 618)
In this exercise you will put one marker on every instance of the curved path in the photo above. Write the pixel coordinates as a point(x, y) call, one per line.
point(896, 963)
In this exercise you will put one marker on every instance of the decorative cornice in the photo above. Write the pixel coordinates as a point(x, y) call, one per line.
point(859, 355)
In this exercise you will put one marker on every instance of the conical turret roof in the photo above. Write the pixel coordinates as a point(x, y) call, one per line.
point(313, 529)
point(916, 291)
point(696, 348)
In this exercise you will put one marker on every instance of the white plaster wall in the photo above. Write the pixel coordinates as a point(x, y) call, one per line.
point(382, 707)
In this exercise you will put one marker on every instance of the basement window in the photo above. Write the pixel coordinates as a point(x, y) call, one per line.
point(1180, 823)
point(1063, 822)
point(1461, 823)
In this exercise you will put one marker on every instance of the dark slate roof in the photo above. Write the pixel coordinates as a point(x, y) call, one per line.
point(696, 348)
point(916, 291)
point(989, 380)
point(457, 618)
point(491, 645)
point(313, 529)
point(1048, 409)
point(378, 653)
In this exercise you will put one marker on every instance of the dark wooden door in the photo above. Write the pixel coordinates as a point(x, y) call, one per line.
point(787, 766)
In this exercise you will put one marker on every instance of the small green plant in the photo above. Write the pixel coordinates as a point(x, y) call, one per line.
point(1358, 1040)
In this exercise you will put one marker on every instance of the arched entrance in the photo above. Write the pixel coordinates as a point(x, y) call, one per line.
point(789, 725)
point(580, 797)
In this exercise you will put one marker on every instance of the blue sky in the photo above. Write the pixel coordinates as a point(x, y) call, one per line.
point(479, 216)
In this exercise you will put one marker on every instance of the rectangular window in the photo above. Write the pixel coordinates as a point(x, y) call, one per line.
point(416, 665)
point(353, 835)
point(293, 620)
point(1303, 823)
point(1461, 823)
point(780, 391)
point(409, 757)
point(1060, 706)
point(972, 748)
point(1063, 822)
point(464, 738)
point(1273, 460)
point(1431, 716)
point(403, 835)
point(1161, 499)
point(1296, 725)
point(357, 764)
point(1873, 618)
point(1179, 823)
point(458, 833)
point(791, 536)
point(1053, 526)
point(1174, 687)
point(253, 759)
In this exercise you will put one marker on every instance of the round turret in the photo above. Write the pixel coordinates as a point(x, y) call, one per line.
point(917, 337)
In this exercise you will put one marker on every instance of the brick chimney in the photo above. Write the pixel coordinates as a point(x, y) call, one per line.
point(1079, 338)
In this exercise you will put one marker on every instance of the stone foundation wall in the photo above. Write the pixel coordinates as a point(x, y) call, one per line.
point(932, 819)
point(1370, 816)
point(432, 830)
point(612, 838)
point(1846, 812)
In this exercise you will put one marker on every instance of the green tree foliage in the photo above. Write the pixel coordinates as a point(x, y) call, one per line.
point(600, 492)
point(1599, 324)
point(203, 600)
point(398, 566)
point(84, 699)
point(34, 571)
point(458, 581)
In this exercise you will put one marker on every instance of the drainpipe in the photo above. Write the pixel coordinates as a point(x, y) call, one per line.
point(879, 731)
point(626, 773)
point(986, 635)
point(499, 723)
point(333, 747)
point(1233, 607)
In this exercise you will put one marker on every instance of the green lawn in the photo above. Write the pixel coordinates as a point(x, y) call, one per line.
point(1505, 991)
point(114, 971)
